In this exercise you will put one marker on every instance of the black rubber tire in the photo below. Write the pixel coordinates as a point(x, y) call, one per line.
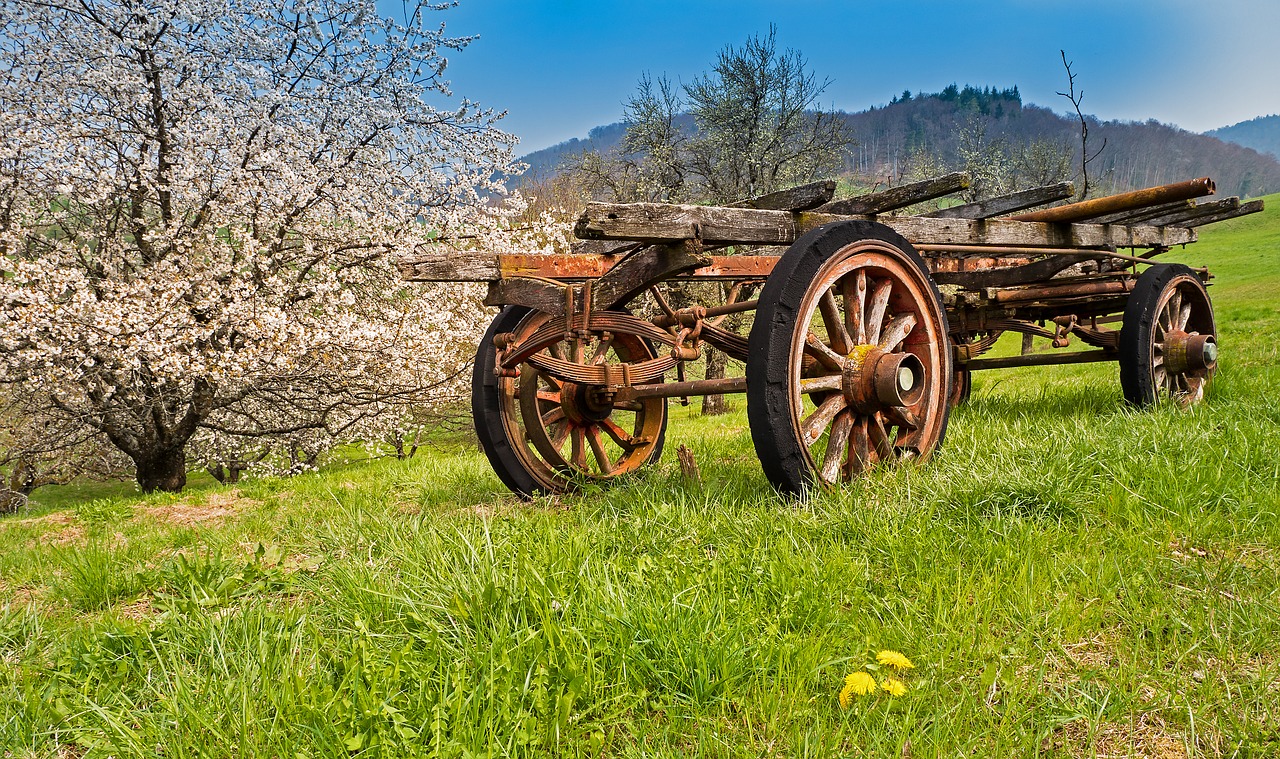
point(769, 346)
point(1137, 378)
point(486, 412)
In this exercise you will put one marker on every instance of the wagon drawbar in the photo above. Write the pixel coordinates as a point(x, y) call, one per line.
point(867, 327)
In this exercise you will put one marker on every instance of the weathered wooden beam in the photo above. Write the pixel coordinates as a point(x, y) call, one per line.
point(714, 225)
point(602, 247)
point(800, 198)
point(642, 269)
point(1134, 217)
point(1036, 271)
point(533, 292)
point(1182, 216)
point(439, 264)
point(464, 266)
point(1253, 206)
point(898, 197)
point(1015, 201)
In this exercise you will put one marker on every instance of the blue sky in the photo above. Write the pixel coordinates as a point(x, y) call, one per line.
point(561, 67)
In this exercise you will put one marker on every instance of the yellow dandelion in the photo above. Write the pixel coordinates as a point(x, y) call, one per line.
point(856, 684)
point(894, 659)
point(894, 686)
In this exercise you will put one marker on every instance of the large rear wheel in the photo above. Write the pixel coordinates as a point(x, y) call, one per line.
point(1168, 340)
point(850, 366)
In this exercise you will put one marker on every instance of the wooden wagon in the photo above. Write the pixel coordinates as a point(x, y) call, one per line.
point(866, 326)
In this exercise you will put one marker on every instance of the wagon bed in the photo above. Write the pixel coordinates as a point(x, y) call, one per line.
point(867, 325)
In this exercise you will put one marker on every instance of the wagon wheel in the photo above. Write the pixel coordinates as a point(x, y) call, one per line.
point(1168, 343)
point(849, 365)
point(961, 387)
point(543, 434)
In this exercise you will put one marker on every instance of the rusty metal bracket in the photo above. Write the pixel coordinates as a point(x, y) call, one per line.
point(1062, 335)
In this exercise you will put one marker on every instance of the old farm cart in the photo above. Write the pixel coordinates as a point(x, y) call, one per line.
point(865, 328)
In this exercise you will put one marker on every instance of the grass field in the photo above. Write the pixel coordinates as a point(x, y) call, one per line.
point(1069, 577)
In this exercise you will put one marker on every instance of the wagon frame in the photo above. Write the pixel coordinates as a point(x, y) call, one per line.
point(868, 323)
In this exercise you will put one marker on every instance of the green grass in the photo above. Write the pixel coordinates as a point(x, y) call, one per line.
point(1070, 578)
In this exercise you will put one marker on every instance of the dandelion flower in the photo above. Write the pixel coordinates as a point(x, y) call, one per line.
point(894, 686)
point(894, 659)
point(856, 684)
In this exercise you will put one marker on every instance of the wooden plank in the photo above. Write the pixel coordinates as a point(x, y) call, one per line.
point(899, 197)
point(664, 223)
point(602, 247)
point(1133, 217)
point(440, 264)
point(481, 267)
point(800, 198)
point(1037, 271)
point(736, 267)
point(1015, 201)
point(1253, 206)
point(534, 292)
point(642, 269)
point(1212, 208)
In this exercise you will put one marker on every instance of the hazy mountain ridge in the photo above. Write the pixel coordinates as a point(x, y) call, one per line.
point(894, 141)
point(1262, 134)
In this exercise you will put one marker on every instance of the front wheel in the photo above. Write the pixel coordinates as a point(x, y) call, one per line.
point(543, 434)
point(850, 366)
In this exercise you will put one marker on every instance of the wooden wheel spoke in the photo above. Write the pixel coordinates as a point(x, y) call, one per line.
point(815, 347)
point(841, 342)
point(821, 384)
point(560, 435)
point(813, 425)
point(553, 416)
point(552, 382)
point(837, 442)
point(628, 406)
point(549, 397)
point(854, 290)
point(902, 416)
point(859, 450)
point(577, 451)
point(876, 309)
point(602, 350)
point(1184, 316)
point(618, 434)
point(897, 330)
point(881, 442)
point(597, 450)
point(1175, 309)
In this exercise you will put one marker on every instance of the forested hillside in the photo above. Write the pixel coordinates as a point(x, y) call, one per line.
point(1262, 134)
point(923, 133)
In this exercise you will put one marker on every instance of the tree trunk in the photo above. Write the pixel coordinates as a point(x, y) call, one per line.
point(717, 362)
point(162, 469)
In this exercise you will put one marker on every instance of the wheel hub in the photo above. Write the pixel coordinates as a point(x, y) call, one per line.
point(1185, 352)
point(872, 379)
point(583, 403)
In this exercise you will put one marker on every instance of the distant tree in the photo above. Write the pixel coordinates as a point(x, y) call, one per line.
point(1076, 98)
point(757, 126)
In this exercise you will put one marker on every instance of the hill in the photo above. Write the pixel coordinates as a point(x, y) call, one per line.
point(1262, 134)
point(894, 140)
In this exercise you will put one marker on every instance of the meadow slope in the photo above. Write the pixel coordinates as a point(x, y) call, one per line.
point(1069, 577)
